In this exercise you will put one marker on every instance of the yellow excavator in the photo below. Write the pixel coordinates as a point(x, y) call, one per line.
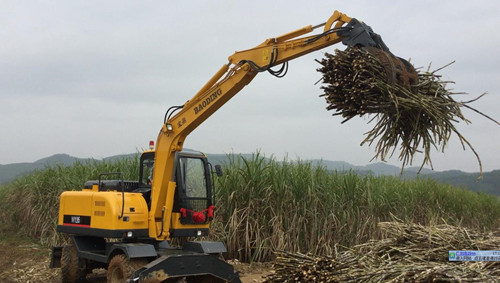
point(126, 226)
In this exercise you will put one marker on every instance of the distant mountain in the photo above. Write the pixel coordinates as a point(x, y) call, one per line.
point(490, 183)
point(63, 159)
point(118, 157)
point(378, 168)
point(11, 171)
point(218, 158)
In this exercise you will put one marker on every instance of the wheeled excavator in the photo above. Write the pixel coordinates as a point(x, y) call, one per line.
point(126, 227)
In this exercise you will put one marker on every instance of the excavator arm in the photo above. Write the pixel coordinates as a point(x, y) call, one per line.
point(178, 200)
point(242, 67)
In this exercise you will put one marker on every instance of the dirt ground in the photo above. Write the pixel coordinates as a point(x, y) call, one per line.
point(22, 260)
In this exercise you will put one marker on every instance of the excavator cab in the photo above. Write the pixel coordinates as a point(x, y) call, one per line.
point(146, 164)
point(146, 168)
point(193, 204)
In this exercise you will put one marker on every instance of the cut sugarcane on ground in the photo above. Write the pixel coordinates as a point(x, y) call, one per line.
point(408, 253)
point(415, 118)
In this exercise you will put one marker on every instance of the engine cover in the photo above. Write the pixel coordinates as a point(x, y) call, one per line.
point(103, 214)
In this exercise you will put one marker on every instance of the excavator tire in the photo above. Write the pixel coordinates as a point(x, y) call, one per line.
point(203, 279)
point(121, 268)
point(73, 269)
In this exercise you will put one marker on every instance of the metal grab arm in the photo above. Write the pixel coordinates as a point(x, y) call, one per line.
point(242, 67)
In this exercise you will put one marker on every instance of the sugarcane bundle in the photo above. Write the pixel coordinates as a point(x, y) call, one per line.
point(416, 117)
point(409, 253)
point(429, 243)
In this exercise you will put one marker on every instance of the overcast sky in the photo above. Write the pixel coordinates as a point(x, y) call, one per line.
point(94, 78)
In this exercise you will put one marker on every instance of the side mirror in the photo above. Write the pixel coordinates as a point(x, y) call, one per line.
point(218, 170)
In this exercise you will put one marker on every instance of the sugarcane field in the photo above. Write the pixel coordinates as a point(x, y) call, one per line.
point(324, 155)
point(406, 253)
point(354, 238)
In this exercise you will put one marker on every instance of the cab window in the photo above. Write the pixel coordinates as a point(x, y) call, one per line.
point(146, 169)
point(193, 176)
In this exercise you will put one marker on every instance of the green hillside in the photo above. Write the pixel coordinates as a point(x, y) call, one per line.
point(490, 183)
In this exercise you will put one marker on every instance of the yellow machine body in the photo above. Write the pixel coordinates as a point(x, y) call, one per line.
point(106, 214)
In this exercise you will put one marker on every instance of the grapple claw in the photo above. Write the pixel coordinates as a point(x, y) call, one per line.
point(399, 71)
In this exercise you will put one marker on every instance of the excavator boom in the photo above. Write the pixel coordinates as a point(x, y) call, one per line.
point(242, 67)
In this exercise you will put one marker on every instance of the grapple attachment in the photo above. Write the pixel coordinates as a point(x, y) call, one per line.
point(399, 71)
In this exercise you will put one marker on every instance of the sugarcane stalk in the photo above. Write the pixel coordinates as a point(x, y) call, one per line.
point(417, 119)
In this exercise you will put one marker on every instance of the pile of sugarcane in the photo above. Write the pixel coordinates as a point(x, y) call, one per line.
point(409, 253)
point(416, 118)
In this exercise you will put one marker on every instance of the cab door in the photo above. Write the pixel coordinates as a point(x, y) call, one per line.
point(193, 207)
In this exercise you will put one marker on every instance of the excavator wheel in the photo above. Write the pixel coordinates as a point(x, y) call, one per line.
point(203, 279)
point(121, 268)
point(399, 71)
point(73, 269)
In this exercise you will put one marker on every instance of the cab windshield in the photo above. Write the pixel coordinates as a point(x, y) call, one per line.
point(146, 169)
point(192, 172)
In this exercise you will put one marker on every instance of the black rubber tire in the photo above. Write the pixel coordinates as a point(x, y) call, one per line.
point(73, 269)
point(203, 279)
point(121, 268)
